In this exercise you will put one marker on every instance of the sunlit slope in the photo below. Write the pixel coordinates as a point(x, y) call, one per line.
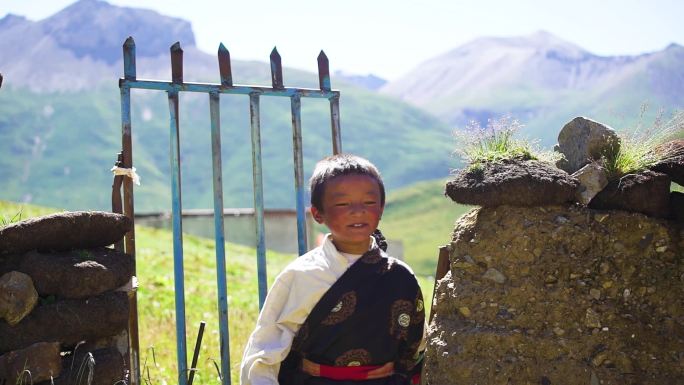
point(423, 219)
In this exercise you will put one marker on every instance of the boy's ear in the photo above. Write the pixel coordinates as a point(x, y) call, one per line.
point(317, 215)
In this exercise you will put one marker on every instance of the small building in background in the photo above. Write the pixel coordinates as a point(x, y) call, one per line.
point(240, 223)
point(239, 226)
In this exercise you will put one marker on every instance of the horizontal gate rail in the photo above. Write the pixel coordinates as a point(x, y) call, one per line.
point(236, 89)
point(173, 89)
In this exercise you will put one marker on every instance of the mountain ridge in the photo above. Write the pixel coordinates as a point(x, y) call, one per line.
point(60, 118)
point(85, 38)
point(539, 78)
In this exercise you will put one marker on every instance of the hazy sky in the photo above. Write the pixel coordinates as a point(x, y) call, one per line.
point(388, 38)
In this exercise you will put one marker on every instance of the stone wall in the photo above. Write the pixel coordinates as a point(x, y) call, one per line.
point(559, 295)
point(563, 276)
point(64, 298)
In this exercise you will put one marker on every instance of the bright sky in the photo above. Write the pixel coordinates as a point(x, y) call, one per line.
point(390, 37)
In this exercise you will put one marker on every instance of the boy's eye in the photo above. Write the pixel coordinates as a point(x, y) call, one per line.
point(370, 202)
point(340, 204)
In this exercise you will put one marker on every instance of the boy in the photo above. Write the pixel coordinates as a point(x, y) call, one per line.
point(343, 313)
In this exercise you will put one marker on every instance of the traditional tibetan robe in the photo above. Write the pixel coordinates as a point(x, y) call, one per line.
point(367, 328)
point(364, 311)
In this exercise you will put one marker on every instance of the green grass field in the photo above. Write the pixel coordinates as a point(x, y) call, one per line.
point(423, 219)
point(407, 211)
point(156, 307)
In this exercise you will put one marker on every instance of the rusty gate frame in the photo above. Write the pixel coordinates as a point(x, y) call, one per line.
point(126, 205)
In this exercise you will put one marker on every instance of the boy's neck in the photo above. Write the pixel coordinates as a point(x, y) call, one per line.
point(353, 248)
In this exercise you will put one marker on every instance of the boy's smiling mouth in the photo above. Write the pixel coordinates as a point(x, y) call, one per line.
point(352, 208)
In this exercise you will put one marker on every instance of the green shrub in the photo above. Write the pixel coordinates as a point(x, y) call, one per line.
point(642, 148)
point(495, 142)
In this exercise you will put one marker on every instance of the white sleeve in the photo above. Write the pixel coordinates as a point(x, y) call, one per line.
point(270, 342)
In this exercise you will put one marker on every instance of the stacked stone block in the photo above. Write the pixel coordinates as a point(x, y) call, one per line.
point(64, 298)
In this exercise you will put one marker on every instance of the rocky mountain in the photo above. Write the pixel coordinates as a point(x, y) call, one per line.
point(80, 46)
point(542, 80)
point(60, 117)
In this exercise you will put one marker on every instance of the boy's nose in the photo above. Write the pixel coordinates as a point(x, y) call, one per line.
point(358, 208)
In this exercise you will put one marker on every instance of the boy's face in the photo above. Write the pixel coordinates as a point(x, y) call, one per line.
point(351, 210)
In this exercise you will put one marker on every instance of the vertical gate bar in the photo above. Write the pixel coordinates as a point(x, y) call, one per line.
point(127, 141)
point(176, 63)
point(177, 210)
point(258, 195)
point(224, 66)
point(276, 70)
point(128, 206)
point(296, 106)
point(215, 114)
point(325, 85)
point(323, 71)
point(335, 123)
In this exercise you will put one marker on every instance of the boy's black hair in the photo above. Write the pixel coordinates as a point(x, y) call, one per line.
point(339, 165)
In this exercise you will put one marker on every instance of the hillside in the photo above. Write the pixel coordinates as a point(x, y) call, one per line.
point(60, 123)
point(543, 81)
point(60, 146)
point(422, 218)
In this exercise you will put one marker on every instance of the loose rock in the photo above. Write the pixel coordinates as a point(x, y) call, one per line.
point(595, 294)
point(582, 140)
point(599, 359)
point(594, 380)
point(494, 275)
point(17, 296)
point(592, 179)
point(592, 319)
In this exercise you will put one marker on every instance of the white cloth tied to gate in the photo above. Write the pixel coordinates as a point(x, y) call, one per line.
point(129, 172)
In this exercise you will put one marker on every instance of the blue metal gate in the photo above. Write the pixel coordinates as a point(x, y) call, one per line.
point(226, 86)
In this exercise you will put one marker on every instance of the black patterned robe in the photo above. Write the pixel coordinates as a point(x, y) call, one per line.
point(372, 315)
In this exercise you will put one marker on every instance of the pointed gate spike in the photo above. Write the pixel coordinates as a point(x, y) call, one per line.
point(276, 69)
point(176, 63)
point(130, 42)
point(323, 72)
point(129, 58)
point(224, 66)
